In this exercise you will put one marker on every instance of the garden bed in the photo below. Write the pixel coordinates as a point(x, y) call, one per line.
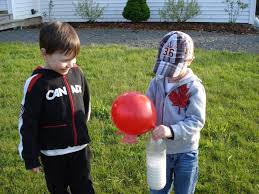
point(169, 26)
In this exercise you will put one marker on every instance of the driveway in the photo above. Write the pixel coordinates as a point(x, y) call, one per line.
point(143, 38)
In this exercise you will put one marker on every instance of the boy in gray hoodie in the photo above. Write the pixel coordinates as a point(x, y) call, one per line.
point(180, 101)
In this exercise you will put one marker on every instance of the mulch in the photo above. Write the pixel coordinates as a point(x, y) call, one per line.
point(170, 26)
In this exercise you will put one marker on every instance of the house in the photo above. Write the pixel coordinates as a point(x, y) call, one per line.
point(64, 10)
point(15, 13)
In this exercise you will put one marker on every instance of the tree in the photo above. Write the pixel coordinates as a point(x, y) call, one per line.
point(136, 10)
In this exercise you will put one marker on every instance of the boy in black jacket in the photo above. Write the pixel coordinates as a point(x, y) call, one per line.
point(55, 108)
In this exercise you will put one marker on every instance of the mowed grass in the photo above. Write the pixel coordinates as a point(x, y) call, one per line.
point(229, 149)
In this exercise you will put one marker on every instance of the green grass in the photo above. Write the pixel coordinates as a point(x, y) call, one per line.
point(229, 149)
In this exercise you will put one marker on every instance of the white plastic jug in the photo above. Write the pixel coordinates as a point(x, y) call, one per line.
point(156, 164)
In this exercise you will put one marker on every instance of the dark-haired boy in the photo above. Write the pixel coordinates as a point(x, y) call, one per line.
point(55, 108)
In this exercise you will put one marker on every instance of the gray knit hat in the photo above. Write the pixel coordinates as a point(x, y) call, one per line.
point(175, 49)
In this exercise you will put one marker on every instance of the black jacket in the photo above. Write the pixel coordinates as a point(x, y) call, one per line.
point(53, 114)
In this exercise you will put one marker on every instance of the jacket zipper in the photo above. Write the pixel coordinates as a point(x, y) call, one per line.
point(54, 126)
point(72, 108)
point(166, 96)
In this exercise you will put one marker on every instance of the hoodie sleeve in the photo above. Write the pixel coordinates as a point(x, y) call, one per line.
point(29, 148)
point(190, 127)
point(151, 90)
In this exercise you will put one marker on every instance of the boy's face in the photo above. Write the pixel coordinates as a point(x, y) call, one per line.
point(180, 76)
point(58, 62)
point(182, 73)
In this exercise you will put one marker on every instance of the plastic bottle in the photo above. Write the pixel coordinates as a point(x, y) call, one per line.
point(156, 164)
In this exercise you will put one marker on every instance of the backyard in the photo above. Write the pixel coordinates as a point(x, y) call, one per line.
point(229, 148)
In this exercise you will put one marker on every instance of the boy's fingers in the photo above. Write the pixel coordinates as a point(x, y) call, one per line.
point(119, 132)
point(157, 132)
point(155, 136)
point(129, 139)
point(36, 170)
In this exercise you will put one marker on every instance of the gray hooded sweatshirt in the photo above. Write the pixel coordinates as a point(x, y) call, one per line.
point(182, 109)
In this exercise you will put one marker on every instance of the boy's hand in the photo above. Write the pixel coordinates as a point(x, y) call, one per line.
point(160, 132)
point(127, 139)
point(36, 170)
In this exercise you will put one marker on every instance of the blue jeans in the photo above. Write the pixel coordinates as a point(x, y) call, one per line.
point(182, 171)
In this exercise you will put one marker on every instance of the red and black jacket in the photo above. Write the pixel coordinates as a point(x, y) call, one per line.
point(54, 112)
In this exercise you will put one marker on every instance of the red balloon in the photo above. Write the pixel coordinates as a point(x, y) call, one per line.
point(133, 113)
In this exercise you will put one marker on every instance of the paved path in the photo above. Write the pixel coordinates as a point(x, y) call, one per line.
point(151, 38)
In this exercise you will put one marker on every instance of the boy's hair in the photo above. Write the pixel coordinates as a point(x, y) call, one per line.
point(175, 49)
point(61, 37)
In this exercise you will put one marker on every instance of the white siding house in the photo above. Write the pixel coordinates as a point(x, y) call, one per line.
point(3, 5)
point(63, 10)
point(21, 9)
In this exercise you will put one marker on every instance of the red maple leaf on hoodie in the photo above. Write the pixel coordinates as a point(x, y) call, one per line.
point(181, 97)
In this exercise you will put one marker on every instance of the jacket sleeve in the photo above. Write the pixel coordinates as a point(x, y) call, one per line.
point(189, 128)
point(29, 148)
point(87, 98)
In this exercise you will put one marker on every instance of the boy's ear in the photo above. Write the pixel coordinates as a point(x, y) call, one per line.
point(189, 61)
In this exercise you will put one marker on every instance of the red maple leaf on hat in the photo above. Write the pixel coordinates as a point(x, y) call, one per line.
point(180, 98)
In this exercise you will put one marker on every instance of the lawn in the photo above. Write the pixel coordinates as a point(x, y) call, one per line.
point(229, 148)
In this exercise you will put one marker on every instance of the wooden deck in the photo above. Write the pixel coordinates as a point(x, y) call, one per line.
point(7, 21)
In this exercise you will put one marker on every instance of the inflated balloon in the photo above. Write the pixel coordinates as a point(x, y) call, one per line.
point(133, 113)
